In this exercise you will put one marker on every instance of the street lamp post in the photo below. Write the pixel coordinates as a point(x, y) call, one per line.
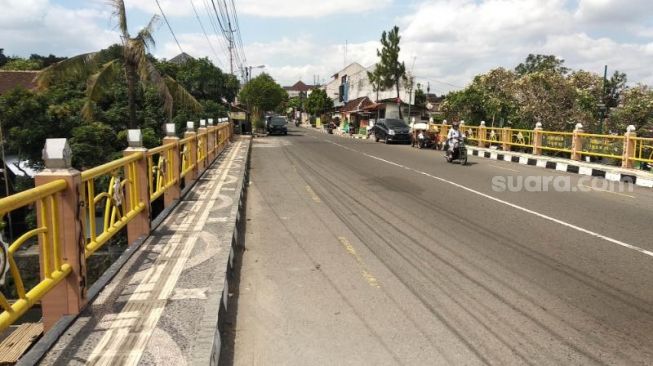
point(249, 70)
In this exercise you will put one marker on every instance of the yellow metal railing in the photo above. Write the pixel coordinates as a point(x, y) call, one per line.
point(557, 141)
point(471, 132)
point(491, 136)
point(185, 146)
point(53, 268)
point(160, 170)
point(521, 138)
point(119, 198)
point(605, 146)
point(643, 150)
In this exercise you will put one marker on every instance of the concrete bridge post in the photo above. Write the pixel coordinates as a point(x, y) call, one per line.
point(69, 296)
point(173, 193)
point(577, 143)
point(629, 147)
point(139, 225)
point(537, 139)
point(192, 146)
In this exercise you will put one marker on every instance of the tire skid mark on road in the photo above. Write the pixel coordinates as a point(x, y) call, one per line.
point(410, 281)
point(509, 204)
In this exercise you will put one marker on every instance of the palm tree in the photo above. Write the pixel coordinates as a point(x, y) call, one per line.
point(137, 68)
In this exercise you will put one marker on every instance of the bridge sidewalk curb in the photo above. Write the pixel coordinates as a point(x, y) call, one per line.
point(639, 178)
point(207, 349)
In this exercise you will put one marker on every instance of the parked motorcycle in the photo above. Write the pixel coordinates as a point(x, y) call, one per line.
point(459, 152)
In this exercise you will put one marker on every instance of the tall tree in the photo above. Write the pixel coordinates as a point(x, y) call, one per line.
point(263, 93)
point(135, 65)
point(318, 102)
point(391, 71)
point(539, 63)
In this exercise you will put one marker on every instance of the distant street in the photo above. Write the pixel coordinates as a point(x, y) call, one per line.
point(360, 253)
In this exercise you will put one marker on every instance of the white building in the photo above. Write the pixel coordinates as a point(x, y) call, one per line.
point(352, 82)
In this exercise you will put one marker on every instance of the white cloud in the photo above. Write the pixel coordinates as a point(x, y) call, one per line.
point(613, 11)
point(37, 26)
point(172, 8)
point(307, 8)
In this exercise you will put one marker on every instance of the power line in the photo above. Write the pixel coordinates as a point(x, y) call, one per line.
point(204, 31)
point(169, 27)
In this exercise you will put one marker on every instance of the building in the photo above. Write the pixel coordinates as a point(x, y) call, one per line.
point(299, 89)
point(352, 83)
point(181, 58)
point(12, 79)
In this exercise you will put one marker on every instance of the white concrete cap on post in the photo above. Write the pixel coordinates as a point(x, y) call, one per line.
point(170, 130)
point(579, 126)
point(444, 122)
point(202, 123)
point(190, 126)
point(210, 121)
point(538, 125)
point(57, 154)
point(482, 123)
point(631, 128)
point(430, 119)
point(134, 138)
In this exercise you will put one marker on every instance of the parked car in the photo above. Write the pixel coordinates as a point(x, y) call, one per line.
point(391, 130)
point(278, 125)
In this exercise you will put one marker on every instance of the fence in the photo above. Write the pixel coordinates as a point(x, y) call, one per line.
point(67, 204)
point(628, 150)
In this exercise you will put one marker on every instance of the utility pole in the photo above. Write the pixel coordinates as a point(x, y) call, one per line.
point(603, 108)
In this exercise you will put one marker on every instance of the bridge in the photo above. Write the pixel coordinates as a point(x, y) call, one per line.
point(357, 253)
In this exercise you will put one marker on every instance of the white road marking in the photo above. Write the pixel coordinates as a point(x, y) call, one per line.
point(517, 207)
point(500, 167)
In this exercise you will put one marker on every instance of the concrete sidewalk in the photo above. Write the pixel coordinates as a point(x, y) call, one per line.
point(162, 307)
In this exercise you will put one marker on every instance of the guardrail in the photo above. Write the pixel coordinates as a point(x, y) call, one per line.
point(628, 149)
point(79, 212)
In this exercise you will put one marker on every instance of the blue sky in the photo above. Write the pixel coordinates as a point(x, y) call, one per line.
point(449, 41)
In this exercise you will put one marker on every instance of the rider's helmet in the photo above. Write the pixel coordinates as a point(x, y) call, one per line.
point(455, 124)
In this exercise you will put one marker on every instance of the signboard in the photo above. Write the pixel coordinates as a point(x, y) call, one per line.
point(238, 115)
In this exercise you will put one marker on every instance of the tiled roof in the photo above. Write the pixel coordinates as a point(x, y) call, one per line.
point(11, 79)
point(357, 104)
point(300, 86)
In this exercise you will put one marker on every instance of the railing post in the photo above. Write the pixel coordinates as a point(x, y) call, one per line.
point(211, 141)
point(139, 225)
point(482, 134)
point(629, 148)
point(537, 139)
point(577, 143)
point(69, 296)
point(506, 138)
point(190, 132)
point(173, 193)
point(202, 145)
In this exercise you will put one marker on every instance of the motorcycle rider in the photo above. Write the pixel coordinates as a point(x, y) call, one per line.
point(453, 136)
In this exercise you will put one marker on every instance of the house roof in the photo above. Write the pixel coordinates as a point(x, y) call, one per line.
point(357, 104)
point(12, 79)
point(300, 86)
point(181, 58)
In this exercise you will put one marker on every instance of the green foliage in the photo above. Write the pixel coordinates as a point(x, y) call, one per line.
point(637, 110)
point(420, 98)
point(22, 64)
point(318, 102)
point(389, 71)
point(94, 144)
point(295, 103)
point(203, 79)
point(264, 93)
point(540, 63)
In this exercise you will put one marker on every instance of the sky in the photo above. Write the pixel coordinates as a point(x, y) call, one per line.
point(445, 43)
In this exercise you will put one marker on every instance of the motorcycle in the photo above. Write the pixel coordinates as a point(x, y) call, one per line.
point(330, 128)
point(459, 152)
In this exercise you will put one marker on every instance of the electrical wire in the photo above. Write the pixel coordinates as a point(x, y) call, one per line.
point(169, 27)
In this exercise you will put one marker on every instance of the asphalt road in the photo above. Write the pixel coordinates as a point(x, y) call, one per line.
point(360, 253)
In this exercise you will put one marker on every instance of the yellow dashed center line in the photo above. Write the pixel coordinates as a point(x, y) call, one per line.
point(371, 280)
point(313, 195)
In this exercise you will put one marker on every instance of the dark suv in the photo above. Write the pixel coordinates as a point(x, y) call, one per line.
point(278, 125)
point(391, 130)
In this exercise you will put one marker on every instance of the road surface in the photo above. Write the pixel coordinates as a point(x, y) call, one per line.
point(359, 253)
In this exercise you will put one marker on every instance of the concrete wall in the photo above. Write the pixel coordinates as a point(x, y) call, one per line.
point(360, 86)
